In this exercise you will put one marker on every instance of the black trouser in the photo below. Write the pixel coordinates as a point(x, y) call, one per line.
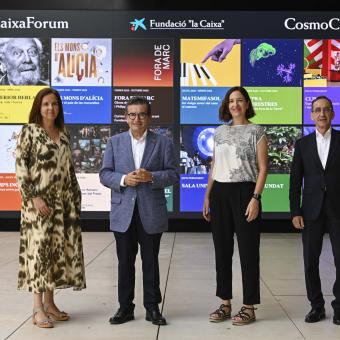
point(228, 204)
point(127, 248)
point(312, 237)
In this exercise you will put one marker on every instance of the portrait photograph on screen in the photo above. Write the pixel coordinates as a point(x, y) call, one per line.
point(24, 71)
point(24, 61)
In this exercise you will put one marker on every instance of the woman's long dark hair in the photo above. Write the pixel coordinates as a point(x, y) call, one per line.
point(35, 114)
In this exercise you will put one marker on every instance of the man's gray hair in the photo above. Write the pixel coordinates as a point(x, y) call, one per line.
point(5, 41)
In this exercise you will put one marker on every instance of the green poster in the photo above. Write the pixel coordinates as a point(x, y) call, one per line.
point(169, 198)
point(276, 105)
point(275, 195)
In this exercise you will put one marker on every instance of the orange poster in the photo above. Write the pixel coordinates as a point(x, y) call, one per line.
point(10, 198)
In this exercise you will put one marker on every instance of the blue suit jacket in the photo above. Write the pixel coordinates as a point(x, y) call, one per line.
point(159, 159)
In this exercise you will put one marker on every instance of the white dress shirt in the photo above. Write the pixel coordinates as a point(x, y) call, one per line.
point(323, 142)
point(138, 147)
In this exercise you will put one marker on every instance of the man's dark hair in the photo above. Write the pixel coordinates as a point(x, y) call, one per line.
point(323, 97)
point(139, 101)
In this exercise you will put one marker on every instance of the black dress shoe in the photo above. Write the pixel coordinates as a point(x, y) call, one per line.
point(155, 316)
point(315, 315)
point(122, 315)
point(336, 317)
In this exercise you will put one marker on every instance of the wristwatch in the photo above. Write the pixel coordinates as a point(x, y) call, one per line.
point(257, 196)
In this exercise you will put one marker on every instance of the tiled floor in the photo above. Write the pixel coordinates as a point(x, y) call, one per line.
point(188, 286)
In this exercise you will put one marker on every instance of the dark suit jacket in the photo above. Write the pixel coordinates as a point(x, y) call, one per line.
point(307, 170)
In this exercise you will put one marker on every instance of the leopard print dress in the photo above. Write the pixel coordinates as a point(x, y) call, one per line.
point(51, 251)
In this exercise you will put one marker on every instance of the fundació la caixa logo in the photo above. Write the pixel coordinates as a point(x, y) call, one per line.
point(135, 24)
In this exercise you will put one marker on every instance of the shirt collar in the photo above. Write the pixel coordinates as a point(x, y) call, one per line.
point(142, 139)
point(326, 135)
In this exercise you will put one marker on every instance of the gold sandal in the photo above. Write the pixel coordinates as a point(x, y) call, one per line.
point(244, 317)
point(60, 316)
point(221, 314)
point(45, 323)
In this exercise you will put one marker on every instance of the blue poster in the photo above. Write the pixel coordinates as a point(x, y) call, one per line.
point(200, 105)
point(310, 129)
point(83, 105)
point(192, 190)
point(310, 93)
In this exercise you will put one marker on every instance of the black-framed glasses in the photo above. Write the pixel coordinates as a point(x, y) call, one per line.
point(326, 109)
point(133, 115)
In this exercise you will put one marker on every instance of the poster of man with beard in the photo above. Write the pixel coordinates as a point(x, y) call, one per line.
point(23, 61)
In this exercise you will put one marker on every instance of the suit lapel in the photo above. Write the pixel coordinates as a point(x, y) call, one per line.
point(128, 151)
point(332, 147)
point(149, 146)
point(315, 151)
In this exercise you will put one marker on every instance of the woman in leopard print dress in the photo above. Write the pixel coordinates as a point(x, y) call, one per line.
point(51, 251)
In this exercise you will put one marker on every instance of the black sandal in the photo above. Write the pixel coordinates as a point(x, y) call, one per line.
point(245, 318)
point(221, 314)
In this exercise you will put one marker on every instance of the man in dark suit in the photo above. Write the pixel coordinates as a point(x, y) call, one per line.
point(137, 166)
point(316, 165)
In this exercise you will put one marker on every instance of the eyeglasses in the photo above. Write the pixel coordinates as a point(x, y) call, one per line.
point(133, 115)
point(326, 109)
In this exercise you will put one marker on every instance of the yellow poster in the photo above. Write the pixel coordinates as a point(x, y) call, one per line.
point(16, 103)
point(210, 62)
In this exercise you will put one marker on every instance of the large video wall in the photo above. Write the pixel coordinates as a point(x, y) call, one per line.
point(181, 74)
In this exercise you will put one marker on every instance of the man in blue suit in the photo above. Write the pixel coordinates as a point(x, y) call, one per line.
point(137, 166)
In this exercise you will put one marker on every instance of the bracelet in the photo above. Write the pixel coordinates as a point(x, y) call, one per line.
point(257, 196)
